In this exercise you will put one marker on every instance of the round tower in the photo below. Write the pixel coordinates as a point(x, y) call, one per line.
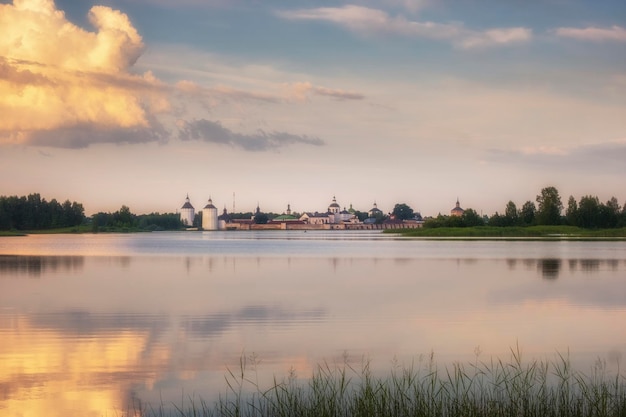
point(334, 207)
point(209, 216)
point(187, 213)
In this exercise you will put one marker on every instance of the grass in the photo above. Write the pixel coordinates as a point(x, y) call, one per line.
point(541, 232)
point(83, 228)
point(481, 389)
point(61, 230)
point(5, 233)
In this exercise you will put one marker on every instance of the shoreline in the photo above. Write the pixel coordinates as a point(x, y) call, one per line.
point(530, 233)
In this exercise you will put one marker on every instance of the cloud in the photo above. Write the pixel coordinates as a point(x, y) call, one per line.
point(607, 157)
point(83, 135)
point(369, 21)
point(222, 93)
point(214, 132)
point(58, 78)
point(595, 34)
point(496, 37)
point(300, 91)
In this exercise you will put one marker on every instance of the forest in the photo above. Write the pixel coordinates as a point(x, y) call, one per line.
point(32, 212)
point(35, 213)
point(587, 213)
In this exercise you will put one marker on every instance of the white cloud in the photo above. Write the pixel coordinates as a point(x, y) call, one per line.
point(596, 34)
point(55, 75)
point(369, 21)
point(496, 37)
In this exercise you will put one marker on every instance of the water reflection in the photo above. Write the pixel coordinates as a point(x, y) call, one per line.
point(34, 266)
point(258, 315)
point(53, 372)
point(119, 329)
point(549, 268)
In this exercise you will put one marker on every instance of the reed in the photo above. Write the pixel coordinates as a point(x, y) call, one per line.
point(493, 388)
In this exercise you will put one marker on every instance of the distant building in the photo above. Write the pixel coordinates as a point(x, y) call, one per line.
point(286, 217)
point(332, 219)
point(457, 210)
point(317, 218)
point(209, 216)
point(374, 211)
point(333, 209)
point(334, 215)
point(223, 220)
point(187, 213)
point(346, 217)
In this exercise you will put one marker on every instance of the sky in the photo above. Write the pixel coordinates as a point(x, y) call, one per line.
point(143, 102)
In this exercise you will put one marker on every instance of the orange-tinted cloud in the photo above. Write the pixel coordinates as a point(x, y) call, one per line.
point(56, 76)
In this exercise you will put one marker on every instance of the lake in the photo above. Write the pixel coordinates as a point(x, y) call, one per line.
point(91, 324)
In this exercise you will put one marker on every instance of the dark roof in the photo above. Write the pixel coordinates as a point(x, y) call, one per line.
point(317, 214)
point(187, 205)
point(210, 206)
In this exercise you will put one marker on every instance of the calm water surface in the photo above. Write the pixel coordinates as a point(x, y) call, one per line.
point(92, 323)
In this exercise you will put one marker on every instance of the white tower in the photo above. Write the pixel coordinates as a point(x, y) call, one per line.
point(209, 216)
point(187, 213)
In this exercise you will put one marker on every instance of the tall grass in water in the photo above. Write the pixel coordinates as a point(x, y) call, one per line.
point(492, 388)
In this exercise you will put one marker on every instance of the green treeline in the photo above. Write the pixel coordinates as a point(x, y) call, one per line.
point(32, 213)
point(35, 213)
point(125, 221)
point(587, 213)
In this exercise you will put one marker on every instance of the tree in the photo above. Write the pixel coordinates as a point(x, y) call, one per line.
point(197, 219)
point(497, 220)
point(261, 218)
point(402, 211)
point(361, 215)
point(589, 212)
point(471, 218)
point(550, 206)
point(571, 214)
point(511, 215)
point(528, 213)
point(123, 217)
point(609, 214)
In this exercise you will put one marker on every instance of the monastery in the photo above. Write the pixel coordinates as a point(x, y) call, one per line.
point(332, 219)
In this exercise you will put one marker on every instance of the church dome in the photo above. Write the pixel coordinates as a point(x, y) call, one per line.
point(187, 204)
point(457, 210)
point(210, 205)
